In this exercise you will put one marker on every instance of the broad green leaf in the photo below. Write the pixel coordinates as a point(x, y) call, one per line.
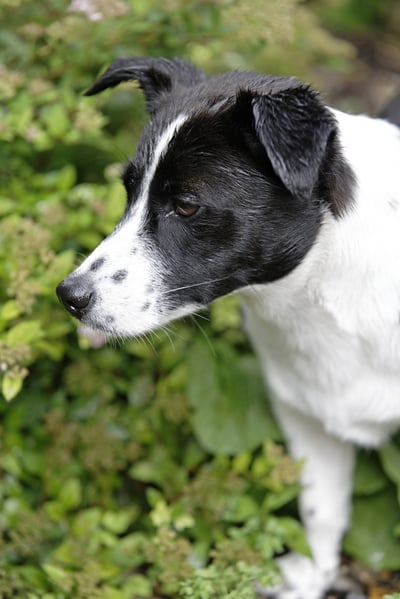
point(390, 458)
point(87, 521)
point(11, 464)
point(66, 553)
point(34, 576)
point(240, 508)
point(56, 119)
point(24, 333)
point(277, 499)
point(61, 265)
point(55, 510)
point(9, 310)
point(226, 392)
point(59, 575)
point(371, 537)
point(137, 586)
point(293, 534)
point(70, 495)
point(11, 386)
point(368, 476)
point(109, 593)
point(54, 349)
point(120, 520)
point(66, 177)
point(6, 206)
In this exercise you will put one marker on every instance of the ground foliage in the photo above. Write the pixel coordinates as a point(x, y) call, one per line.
point(153, 469)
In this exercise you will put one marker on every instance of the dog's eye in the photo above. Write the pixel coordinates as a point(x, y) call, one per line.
point(185, 209)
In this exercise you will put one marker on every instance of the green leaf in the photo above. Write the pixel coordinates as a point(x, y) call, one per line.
point(56, 119)
point(119, 521)
point(70, 495)
point(138, 586)
point(390, 458)
point(24, 333)
point(11, 386)
point(293, 535)
point(87, 521)
point(10, 310)
point(368, 476)
point(61, 265)
point(6, 206)
point(230, 410)
point(59, 575)
point(66, 177)
point(277, 499)
point(371, 537)
point(33, 576)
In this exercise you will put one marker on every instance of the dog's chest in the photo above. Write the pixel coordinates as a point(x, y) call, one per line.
point(348, 382)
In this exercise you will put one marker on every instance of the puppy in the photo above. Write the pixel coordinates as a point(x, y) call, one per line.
point(247, 183)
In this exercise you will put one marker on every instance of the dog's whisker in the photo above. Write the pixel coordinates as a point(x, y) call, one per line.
point(169, 337)
point(195, 285)
point(147, 337)
point(206, 337)
point(202, 316)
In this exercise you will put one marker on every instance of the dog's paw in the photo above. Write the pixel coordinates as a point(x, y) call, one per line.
point(302, 579)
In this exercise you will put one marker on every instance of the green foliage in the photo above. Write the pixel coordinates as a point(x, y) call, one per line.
point(139, 471)
point(374, 536)
point(360, 16)
point(227, 395)
point(116, 498)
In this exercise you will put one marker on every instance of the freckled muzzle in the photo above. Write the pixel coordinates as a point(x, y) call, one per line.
point(76, 293)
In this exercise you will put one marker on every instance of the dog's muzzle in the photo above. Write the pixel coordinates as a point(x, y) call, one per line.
point(76, 295)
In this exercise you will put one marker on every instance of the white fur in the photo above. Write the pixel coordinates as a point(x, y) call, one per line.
point(328, 339)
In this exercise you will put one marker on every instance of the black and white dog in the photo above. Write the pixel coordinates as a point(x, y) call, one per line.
point(247, 183)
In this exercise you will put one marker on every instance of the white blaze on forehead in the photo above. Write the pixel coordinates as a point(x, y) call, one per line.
point(159, 151)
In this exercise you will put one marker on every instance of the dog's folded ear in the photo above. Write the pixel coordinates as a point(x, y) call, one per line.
point(156, 76)
point(294, 127)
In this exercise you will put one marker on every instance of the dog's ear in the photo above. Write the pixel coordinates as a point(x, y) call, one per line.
point(294, 127)
point(156, 76)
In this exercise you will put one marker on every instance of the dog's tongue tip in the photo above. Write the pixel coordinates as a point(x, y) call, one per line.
point(96, 338)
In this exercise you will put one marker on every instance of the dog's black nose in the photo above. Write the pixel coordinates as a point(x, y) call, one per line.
point(75, 296)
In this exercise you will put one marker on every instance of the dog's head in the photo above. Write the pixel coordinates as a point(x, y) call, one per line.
point(226, 190)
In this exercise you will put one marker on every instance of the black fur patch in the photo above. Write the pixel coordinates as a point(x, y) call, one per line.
point(97, 264)
point(249, 228)
point(119, 276)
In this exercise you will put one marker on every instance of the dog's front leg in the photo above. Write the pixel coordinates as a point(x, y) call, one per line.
point(325, 503)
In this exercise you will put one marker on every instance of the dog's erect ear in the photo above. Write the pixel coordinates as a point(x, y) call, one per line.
point(156, 76)
point(294, 127)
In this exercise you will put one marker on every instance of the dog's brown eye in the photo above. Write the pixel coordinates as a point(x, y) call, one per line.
point(185, 209)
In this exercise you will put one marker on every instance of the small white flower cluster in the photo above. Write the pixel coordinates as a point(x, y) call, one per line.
point(98, 10)
point(88, 8)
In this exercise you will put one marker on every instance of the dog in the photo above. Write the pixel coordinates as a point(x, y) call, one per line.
point(246, 183)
